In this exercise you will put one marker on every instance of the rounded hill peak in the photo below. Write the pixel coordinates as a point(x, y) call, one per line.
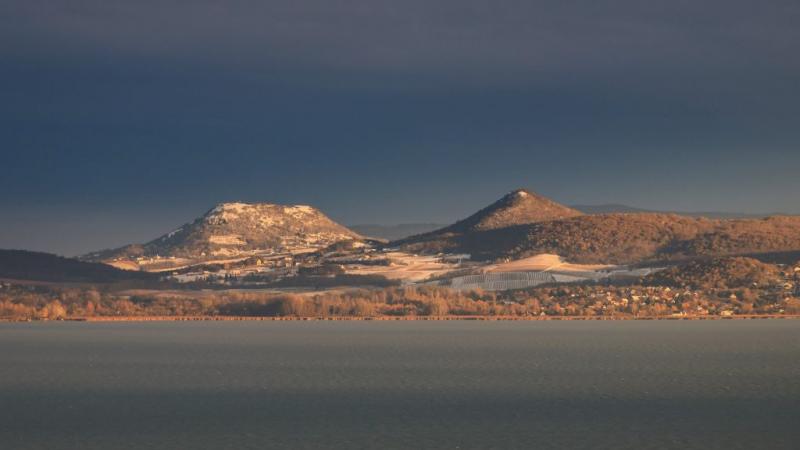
point(232, 229)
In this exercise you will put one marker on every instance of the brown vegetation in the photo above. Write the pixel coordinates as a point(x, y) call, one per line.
point(232, 229)
point(516, 208)
point(722, 273)
point(623, 238)
point(693, 290)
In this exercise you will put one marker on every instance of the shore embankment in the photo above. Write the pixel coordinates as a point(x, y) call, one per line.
point(398, 318)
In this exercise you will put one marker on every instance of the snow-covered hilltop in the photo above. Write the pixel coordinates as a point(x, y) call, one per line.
point(237, 229)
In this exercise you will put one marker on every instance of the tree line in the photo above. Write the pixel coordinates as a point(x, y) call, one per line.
point(48, 302)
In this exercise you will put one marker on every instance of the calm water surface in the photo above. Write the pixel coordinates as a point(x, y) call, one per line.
point(346, 385)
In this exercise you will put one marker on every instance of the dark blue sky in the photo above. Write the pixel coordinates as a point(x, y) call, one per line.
point(121, 120)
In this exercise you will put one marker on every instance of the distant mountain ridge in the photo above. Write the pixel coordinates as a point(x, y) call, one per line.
point(230, 229)
point(618, 208)
point(518, 225)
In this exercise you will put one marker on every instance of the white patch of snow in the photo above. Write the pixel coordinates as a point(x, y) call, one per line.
point(172, 233)
point(230, 239)
point(298, 211)
point(225, 212)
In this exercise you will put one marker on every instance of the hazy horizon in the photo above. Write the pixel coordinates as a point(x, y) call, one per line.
point(83, 231)
point(124, 120)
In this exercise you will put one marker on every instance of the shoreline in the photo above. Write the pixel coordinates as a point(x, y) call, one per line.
point(394, 319)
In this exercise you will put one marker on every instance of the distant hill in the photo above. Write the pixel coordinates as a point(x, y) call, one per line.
point(394, 232)
point(515, 208)
point(720, 273)
point(35, 266)
point(231, 229)
point(621, 238)
point(617, 208)
point(402, 231)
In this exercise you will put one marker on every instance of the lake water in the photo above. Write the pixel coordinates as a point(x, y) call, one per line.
point(372, 385)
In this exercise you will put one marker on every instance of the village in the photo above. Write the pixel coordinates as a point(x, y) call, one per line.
point(361, 264)
point(544, 285)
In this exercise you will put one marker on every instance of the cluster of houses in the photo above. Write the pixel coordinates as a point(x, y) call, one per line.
point(264, 266)
point(664, 300)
